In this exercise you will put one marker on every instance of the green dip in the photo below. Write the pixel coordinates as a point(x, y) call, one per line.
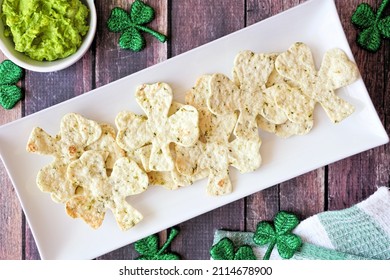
point(45, 29)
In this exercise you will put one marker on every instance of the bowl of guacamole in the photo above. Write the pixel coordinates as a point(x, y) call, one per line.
point(46, 35)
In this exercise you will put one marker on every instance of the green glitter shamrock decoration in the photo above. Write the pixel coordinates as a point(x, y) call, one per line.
point(131, 24)
point(10, 74)
point(149, 249)
point(224, 250)
point(374, 27)
point(279, 235)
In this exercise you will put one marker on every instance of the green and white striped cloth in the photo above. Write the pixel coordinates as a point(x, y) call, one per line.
point(359, 232)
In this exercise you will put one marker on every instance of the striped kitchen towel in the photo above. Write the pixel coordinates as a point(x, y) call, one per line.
point(359, 232)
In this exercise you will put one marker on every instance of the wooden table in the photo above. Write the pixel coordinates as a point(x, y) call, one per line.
point(191, 23)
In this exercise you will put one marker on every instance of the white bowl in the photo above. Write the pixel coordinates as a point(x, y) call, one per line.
point(8, 48)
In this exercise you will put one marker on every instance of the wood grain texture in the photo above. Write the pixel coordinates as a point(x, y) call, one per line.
point(354, 179)
point(189, 24)
point(11, 231)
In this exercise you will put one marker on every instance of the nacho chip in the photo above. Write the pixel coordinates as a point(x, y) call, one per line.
point(101, 192)
point(158, 129)
point(212, 155)
point(156, 178)
point(107, 144)
point(290, 128)
point(52, 179)
point(297, 107)
point(76, 132)
point(245, 154)
point(245, 93)
point(336, 71)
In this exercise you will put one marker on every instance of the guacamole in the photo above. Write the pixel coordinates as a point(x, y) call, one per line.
point(45, 29)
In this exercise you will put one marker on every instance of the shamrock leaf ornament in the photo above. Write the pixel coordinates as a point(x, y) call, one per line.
point(131, 24)
point(373, 26)
point(149, 249)
point(279, 235)
point(10, 74)
point(224, 250)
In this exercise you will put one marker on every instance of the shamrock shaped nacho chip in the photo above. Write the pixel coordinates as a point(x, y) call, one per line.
point(212, 155)
point(52, 179)
point(76, 133)
point(158, 128)
point(101, 192)
point(336, 71)
point(298, 108)
point(245, 93)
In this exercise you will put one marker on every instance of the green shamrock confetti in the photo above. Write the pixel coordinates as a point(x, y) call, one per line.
point(10, 74)
point(279, 235)
point(149, 248)
point(224, 250)
point(131, 24)
point(373, 26)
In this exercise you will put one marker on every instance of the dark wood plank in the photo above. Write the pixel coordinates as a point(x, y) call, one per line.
point(11, 236)
point(261, 206)
point(113, 63)
point(195, 23)
point(196, 235)
point(354, 179)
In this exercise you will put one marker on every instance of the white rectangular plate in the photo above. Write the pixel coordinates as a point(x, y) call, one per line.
point(315, 22)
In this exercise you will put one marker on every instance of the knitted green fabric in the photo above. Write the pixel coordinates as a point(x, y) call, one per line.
point(350, 231)
point(10, 74)
point(279, 235)
point(149, 249)
point(373, 25)
point(359, 232)
point(306, 252)
point(131, 24)
point(224, 250)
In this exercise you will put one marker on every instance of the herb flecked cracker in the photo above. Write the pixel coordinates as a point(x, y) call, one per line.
point(245, 93)
point(101, 192)
point(212, 155)
point(156, 178)
point(209, 155)
point(157, 128)
point(76, 133)
point(107, 144)
point(336, 71)
point(282, 91)
point(52, 179)
point(298, 107)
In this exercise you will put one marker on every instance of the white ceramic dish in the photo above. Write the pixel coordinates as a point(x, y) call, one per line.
point(8, 48)
point(59, 237)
